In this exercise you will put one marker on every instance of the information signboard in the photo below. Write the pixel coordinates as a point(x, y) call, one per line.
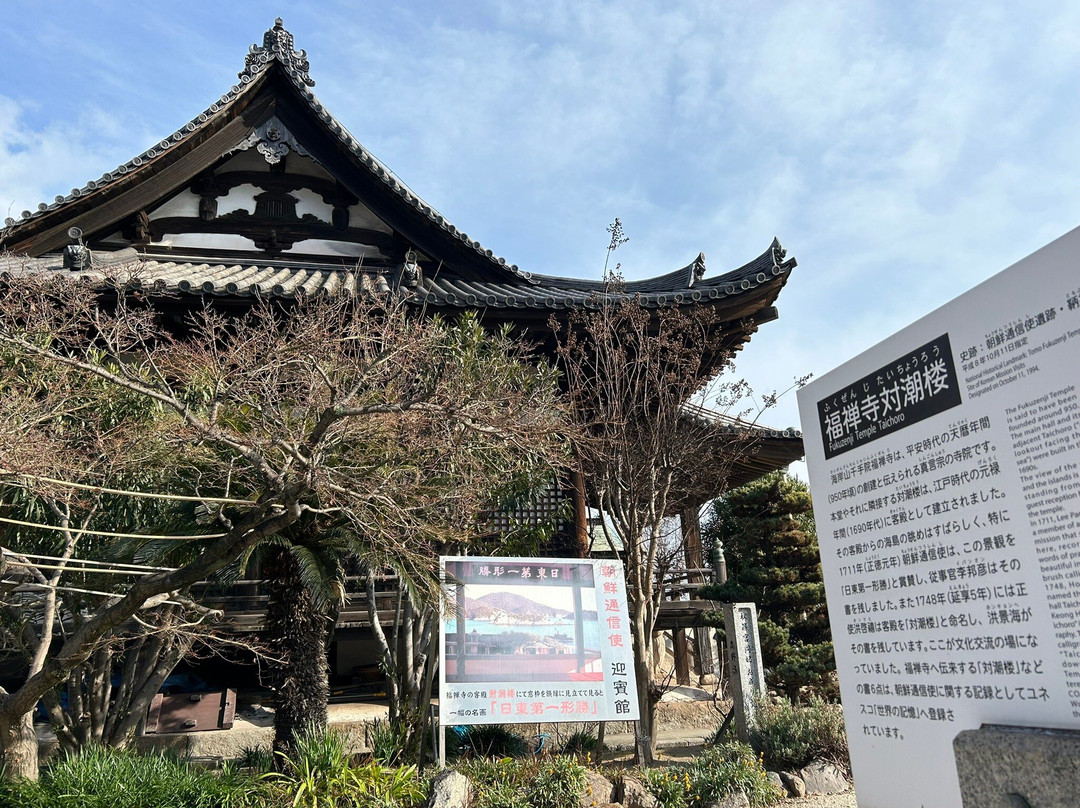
point(945, 469)
point(529, 640)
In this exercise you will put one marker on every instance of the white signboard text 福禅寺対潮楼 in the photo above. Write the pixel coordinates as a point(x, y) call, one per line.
point(945, 469)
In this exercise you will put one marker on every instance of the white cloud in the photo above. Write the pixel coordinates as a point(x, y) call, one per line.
point(36, 164)
point(902, 152)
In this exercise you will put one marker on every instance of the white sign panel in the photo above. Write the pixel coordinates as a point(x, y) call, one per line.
point(945, 469)
point(526, 640)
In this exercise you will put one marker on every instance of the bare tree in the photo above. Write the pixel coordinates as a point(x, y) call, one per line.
point(409, 644)
point(630, 373)
point(351, 409)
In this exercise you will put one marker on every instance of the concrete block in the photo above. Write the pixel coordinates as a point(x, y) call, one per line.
point(1018, 767)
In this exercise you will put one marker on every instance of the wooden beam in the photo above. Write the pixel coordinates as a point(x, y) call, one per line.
point(141, 189)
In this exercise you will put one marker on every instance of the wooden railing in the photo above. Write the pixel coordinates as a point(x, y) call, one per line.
point(244, 602)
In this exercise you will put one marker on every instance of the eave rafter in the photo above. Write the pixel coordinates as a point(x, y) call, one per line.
point(453, 270)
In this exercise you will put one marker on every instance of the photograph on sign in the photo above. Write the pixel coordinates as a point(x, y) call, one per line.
point(945, 469)
point(530, 639)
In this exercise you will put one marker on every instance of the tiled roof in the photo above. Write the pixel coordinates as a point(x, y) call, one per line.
point(276, 50)
point(551, 292)
point(727, 423)
point(128, 269)
point(766, 449)
point(283, 278)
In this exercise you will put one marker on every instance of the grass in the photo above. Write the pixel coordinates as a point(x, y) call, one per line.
point(547, 782)
point(108, 778)
point(716, 773)
point(791, 736)
point(316, 774)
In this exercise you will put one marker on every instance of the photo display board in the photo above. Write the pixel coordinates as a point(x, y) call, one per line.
point(529, 640)
point(945, 469)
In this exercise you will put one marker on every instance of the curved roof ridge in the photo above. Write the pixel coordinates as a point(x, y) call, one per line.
point(277, 49)
point(692, 276)
point(724, 420)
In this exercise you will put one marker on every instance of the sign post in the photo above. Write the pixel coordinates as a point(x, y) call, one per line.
point(945, 468)
point(529, 640)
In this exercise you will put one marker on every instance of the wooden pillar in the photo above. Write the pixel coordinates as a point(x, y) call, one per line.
point(682, 656)
point(581, 515)
point(691, 531)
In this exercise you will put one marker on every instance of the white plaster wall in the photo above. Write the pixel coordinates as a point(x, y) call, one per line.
point(310, 202)
point(218, 241)
point(185, 203)
point(316, 246)
point(242, 197)
point(361, 216)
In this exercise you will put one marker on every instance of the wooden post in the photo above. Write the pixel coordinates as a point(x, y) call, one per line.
point(691, 531)
point(682, 656)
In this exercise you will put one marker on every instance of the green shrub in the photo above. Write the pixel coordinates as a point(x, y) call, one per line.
point(501, 795)
point(384, 787)
point(791, 736)
point(388, 741)
point(487, 741)
point(670, 786)
point(717, 772)
point(316, 772)
point(728, 768)
point(558, 782)
point(19, 793)
point(256, 759)
point(97, 777)
point(496, 783)
point(579, 743)
point(552, 782)
point(234, 788)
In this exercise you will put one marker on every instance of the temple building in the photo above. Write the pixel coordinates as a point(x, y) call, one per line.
point(266, 195)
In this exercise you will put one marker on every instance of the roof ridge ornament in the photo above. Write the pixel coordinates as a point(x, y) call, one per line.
point(277, 44)
point(779, 253)
point(697, 270)
point(273, 141)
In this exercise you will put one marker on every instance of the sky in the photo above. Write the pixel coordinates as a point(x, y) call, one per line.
point(901, 151)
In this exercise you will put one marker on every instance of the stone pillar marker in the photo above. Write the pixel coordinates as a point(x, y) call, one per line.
point(744, 654)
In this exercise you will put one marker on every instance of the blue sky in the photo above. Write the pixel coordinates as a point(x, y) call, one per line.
point(903, 151)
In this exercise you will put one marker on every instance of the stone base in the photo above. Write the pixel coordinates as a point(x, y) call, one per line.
point(1013, 767)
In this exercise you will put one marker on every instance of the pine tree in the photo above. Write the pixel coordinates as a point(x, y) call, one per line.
point(767, 534)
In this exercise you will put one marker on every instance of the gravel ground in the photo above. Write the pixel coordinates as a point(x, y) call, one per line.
point(845, 800)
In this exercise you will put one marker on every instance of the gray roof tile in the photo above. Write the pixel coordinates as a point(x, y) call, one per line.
point(276, 50)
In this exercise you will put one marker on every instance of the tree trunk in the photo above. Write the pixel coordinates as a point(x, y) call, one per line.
point(645, 729)
point(18, 745)
point(297, 633)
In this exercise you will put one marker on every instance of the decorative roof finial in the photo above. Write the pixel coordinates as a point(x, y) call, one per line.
point(277, 44)
point(697, 270)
